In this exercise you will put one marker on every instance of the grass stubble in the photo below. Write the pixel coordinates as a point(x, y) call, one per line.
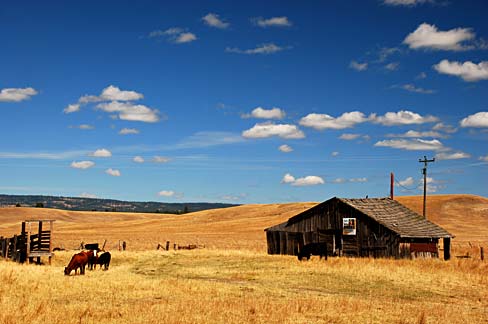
point(239, 286)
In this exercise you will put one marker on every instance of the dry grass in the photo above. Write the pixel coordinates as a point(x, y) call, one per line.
point(216, 286)
point(232, 280)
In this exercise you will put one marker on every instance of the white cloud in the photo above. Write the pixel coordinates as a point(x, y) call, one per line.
point(112, 93)
point(101, 153)
point(452, 156)
point(302, 182)
point(88, 195)
point(266, 130)
point(209, 139)
point(82, 164)
point(483, 158)
point(185, 38)
point(166, 193)
point(409, 181)
point(406, 3)
point(412, 88)
point(16, 94)
point(349, 137)
point(113, 172)
point(412, 145)
point(480, 119)
point(335, 153)
point(285, 148)
point(404, 117)
point(429, 37)
point(468, 71)
point(358, 66)
point(213, 20)
point(161, 159)
point(288, 178)
point(416, 134)
point(138, 159)
point(71, 108)
point(272, 22)
point(127, 131)
point(268, 48)
point(324, 121)
point(273, 113)
point(130, 111)
point(308, 181)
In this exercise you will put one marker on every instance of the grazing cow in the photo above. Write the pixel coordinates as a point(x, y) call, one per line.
point(313, 249)
point(78, 260)
point(102, 259)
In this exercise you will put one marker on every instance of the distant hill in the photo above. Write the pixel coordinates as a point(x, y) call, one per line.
point(239, 227)
point(96, 204)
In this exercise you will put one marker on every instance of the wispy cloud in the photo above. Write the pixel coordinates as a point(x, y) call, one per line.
point(83, 127)
point(452, 156)
point(128, 131)
point(213, 20)
point(175, 35)
point(42, 155)
point(358, 66)
point(16, 94)
point(406, 3)
point(264, 49)
point(412, 88)
point(161, 159)
point(82, 164)
point(412, 145)
point(285, 148)
point(138, 159)
point(272, 22)
point(113, 172)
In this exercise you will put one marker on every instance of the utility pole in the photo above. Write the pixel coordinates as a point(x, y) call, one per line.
point(424, 172)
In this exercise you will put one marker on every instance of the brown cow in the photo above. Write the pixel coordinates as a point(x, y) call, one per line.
point(78, 260)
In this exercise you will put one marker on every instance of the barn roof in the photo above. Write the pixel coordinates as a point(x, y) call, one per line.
point(387, 212)
point(396, 217)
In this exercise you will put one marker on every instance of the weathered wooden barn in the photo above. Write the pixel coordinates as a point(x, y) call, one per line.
point(371, 227)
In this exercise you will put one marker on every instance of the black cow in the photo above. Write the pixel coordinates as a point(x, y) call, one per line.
point(102, 259)
point(313, 249)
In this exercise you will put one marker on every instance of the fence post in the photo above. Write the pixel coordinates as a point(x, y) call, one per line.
point(482, 253)
point(167, 245)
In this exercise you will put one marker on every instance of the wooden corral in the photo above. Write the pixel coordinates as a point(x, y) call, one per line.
point(374, 227)
point(34, 241)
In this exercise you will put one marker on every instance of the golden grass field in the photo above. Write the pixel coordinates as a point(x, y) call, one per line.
point(233, 280)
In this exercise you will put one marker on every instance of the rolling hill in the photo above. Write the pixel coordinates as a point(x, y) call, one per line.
point(465, 216)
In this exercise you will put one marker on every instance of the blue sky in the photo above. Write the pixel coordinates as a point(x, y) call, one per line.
point(243, 102)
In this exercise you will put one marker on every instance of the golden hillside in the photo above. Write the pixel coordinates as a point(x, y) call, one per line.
point(466, 216)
